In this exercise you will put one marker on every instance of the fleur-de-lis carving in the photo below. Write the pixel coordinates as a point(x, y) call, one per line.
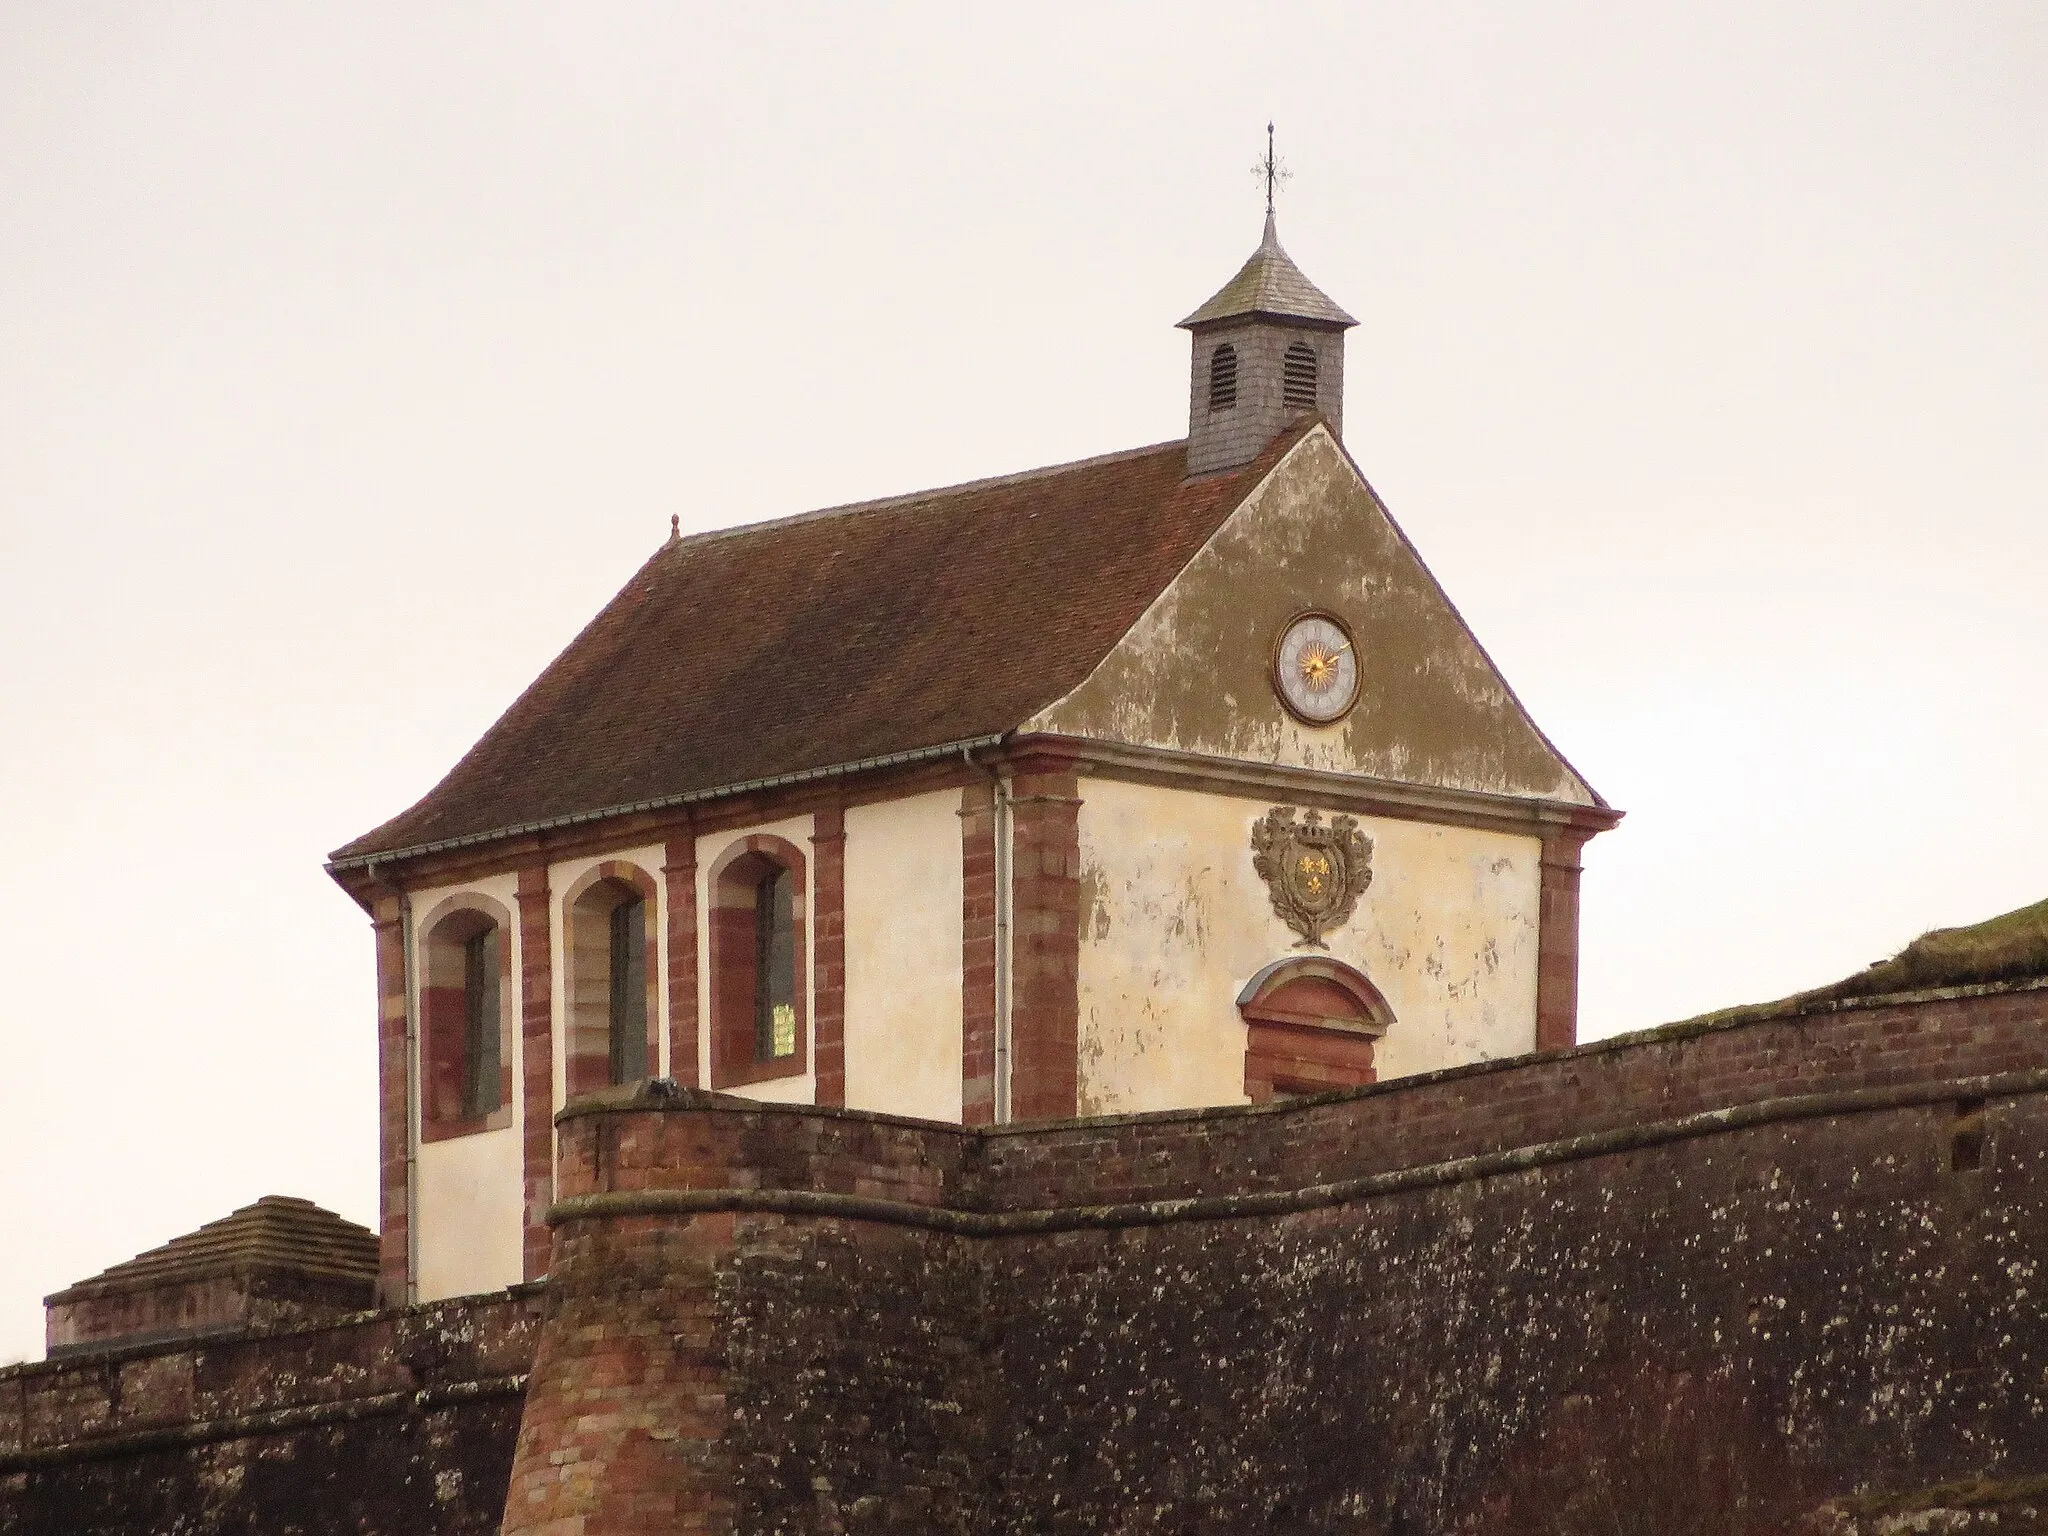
point(1314, 872)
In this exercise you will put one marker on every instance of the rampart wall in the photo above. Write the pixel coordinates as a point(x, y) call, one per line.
point(398, 1422)
point(1723, 1274)
point(1705, 1280)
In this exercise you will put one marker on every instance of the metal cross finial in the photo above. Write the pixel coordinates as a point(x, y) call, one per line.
point(1276, 174)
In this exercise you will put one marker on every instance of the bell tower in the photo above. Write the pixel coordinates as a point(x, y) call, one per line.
point(1268, 349)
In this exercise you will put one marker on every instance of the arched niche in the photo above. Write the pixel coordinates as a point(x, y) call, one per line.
point(1310, 1025)
point(613, 986)
point(468, 1002)
point(760, 962)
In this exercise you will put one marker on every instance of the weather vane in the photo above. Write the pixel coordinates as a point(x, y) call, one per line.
point(1275, 173)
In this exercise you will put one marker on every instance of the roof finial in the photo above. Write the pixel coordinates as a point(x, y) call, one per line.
point(675, 526)
point(1274, 172)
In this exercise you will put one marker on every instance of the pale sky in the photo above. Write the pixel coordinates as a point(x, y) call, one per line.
point(351, 356)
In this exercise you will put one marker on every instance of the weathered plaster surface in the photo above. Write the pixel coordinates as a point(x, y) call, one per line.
point(1174, 921)
point(469, 1228)
point(1193, 673)
point(801, 1089)
point(470, 1187)
point(903, 934)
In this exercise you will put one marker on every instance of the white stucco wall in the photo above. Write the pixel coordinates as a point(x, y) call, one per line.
point(1174, 921)
point(801, 1089)
point(469, 1237)
point(470, 1188)
point(903, 935)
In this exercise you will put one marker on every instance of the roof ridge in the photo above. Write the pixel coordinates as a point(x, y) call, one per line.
point(875, 504)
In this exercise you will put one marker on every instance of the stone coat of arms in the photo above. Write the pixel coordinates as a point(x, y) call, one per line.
point(1314, 871)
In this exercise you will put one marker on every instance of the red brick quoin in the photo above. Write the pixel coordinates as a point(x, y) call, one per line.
point(1045, 945)
point(536, 1065)
point(1557, 942)
point(679, 871)
point(828, 952)
point(977, 955)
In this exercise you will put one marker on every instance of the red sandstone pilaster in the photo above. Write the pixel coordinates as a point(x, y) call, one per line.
point(394, 1150)
point(977, 954)
point(1557, 943)
point(537, 1062)
point(680, 873)
point(828, 952)
point(1045, 945)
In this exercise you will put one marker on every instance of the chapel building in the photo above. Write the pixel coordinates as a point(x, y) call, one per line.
point(1164, 779)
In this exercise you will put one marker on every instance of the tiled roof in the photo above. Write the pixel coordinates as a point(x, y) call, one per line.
point(834, 638)
point(277, 1232)
point(1270, 284)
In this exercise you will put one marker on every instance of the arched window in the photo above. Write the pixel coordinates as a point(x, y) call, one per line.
point(1223, 378)
point(1298, 378)
point(758, 963)
point(466, 1019)
point(1310, 1024)
point(614, 1014)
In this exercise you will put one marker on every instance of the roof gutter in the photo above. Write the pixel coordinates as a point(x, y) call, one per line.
point(667, 802)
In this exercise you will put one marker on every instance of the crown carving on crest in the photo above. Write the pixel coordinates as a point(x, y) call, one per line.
point(1314, 871)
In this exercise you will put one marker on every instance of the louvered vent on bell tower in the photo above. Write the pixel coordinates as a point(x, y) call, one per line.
point(1223, 378)
point(1267, 348)
point(1298, 378)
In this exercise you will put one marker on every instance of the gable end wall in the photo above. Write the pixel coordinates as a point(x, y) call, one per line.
point(1194, 673)
point(1175, 920)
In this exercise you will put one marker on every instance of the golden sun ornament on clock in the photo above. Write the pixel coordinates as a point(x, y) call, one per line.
point(1315, 668)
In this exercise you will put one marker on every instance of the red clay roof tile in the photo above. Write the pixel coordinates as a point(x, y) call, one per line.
point(835, 637)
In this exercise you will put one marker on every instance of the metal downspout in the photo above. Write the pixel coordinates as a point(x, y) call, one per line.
point(409, 947)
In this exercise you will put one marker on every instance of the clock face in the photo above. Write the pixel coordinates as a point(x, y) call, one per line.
point(1315, 668)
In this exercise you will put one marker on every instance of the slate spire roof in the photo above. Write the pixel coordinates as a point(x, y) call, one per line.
point(855, 636)
point(1270, 285)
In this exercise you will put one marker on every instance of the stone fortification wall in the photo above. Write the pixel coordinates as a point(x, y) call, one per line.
point(1716, 1279)
point(387, 1422)
point(1712, 1278)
